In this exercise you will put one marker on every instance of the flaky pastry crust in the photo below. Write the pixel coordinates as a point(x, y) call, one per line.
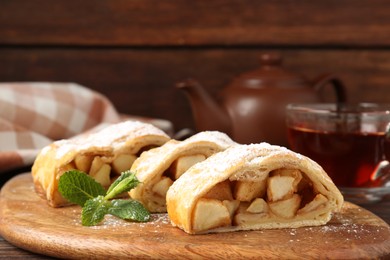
point(129, 138)
point(154, 164)
point(272, 165)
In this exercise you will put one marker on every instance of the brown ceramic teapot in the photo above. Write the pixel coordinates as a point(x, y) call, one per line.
point(252, 107)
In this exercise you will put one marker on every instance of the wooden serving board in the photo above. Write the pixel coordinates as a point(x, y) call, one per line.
point(28, 222)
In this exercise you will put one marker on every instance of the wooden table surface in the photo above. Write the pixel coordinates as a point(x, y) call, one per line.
point(8, 251)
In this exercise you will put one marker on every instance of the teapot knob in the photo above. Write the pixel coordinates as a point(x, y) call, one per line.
point(271, 59)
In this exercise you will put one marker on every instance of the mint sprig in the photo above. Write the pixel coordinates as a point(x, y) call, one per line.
point(81, 189)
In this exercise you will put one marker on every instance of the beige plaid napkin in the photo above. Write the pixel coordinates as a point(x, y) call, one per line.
point(33, 115)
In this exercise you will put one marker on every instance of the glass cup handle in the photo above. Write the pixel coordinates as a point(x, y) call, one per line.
point(381, 175)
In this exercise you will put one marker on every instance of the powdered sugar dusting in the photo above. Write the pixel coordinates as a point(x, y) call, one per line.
point(112, 137)
point(212, 136)
point(252, 155)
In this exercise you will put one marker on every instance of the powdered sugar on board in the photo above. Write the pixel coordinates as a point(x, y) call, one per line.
point(114, 223)
point(341, 226)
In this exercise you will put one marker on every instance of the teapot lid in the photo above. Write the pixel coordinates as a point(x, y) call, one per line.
point(270, 74)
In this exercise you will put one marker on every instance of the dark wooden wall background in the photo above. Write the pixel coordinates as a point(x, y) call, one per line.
point(134, 51)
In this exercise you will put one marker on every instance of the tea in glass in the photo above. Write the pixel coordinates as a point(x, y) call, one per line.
point(351, 142)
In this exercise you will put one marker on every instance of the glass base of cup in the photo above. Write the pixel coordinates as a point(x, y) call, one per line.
point(364, 195)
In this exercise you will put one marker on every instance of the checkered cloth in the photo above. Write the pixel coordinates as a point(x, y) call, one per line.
point(33, 115)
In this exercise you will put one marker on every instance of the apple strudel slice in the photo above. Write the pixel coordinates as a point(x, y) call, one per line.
point(103, 155)
point(250, 187)
point(158, 168)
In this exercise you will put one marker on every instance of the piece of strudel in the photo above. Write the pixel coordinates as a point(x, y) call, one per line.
point(250, 187)
point(103, 155)
point(158, 168)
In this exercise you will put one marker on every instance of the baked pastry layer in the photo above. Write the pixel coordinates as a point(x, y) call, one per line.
point(103, 155)
point(158, 168)
point(249, 187)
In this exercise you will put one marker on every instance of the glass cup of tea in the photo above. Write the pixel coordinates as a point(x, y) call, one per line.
point(351, 143)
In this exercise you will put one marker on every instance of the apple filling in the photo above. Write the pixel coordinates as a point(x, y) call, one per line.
point(104, 169)
point(176, 169)
point(284, 195)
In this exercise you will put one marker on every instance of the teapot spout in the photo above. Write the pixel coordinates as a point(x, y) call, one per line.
point(208, 115)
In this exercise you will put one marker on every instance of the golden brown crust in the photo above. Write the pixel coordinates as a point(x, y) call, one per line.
point(123, 138)
point(249, 163)
point(151, 165)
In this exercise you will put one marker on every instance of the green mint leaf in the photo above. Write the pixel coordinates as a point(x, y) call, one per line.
point(94, 211)
point(78, 187)
point(124, 183)
point(81, 189)
point(130, 210)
